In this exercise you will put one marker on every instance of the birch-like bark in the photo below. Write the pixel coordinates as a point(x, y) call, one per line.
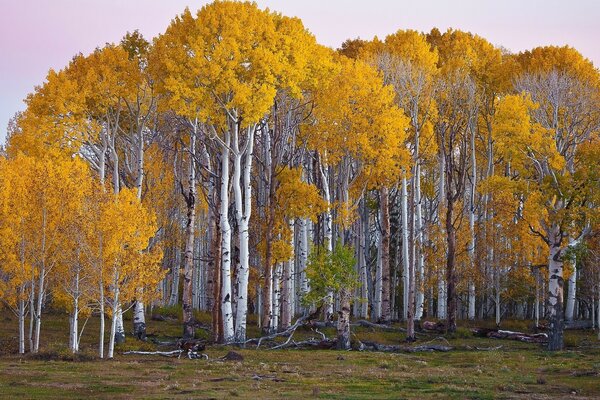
point(190, 199)
point(385, 254)
point(303, 256)
point(288, 286)
point(276, 296)
point(41, 286)
point(21, 312)
point(364, 271)
point(324, 169)
point(226, 307)
point(115, 312)
point(376, 310)
point(405, 247)
point(102, 316)
point(471, 284)
point(343, 323)
point(74, 317)
point(572, 291)
point(419, 257)
point(243, 208)
point(175, 277)
point(139, 319)
point(410, 320)
point(555, 290)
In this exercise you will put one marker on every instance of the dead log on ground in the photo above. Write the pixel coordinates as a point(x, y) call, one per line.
point(510, 335)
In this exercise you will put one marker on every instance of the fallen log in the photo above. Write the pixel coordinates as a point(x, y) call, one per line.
point(373, 346)
point(439, 326)
point(510, 335)
point(192, 355)
point(385, 328)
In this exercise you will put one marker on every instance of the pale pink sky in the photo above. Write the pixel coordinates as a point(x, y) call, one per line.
point(36, 35)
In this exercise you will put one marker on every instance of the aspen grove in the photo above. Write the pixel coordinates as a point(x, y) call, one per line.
point(234, 165)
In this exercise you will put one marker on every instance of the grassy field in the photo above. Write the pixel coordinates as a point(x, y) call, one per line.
point(515, 371)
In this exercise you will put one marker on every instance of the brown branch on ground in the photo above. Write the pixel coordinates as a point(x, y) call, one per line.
point(510, 335)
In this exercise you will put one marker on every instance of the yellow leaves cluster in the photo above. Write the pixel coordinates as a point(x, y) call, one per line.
point(521, 140)
point(226, 64)
point(356, 116)
point(296, 198)
point(57, 220)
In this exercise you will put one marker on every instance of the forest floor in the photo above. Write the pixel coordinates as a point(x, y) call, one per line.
point(515, 371)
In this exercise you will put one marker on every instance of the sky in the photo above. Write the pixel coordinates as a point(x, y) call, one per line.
point(36, 35)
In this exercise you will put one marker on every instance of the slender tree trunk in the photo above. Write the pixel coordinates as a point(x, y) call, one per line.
point(471, 294)
point(328, 231)
point(116, 306)
point(555, 290)
point(31, 312)
point(276, 296)
point(364, 268)
point(537, 298)
point(21, 311)
point(226, 307)
point(418, 257)
point(571, 293)
point(75, 317)
point(287, 289)
point(217, 319)
point(442, 296)
point(190, 234)
point(101, 335)
point(303, 256)
point(38, 312)
point(385, 254)
point(139, 319)
point(343, 323)
point(377, 296)
point(176, 276)
point(410, 321)
point(120, 330)
point(450, 273)
point(243, 209)
point(405, 251)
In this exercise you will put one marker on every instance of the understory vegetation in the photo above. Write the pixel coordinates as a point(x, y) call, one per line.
point(515, 370)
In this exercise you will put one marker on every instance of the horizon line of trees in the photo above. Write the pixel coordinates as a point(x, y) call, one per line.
point(234, 165)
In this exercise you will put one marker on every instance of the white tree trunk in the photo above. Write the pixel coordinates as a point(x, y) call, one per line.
point(101, 336)
point(572, 291)
point(75, 317)
point(38, 311)
point(303, 256)
point(328, 232)
point(276, 297)
point(21, 311)
point(555, 290)
point(419, 255)
point(116, 307)
point(227, 312)
point(442, 297)
point(243, 208)
point(471, 295)
point(405, 244)
point(120, 332)
point(376, 309)
point(139, 319)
